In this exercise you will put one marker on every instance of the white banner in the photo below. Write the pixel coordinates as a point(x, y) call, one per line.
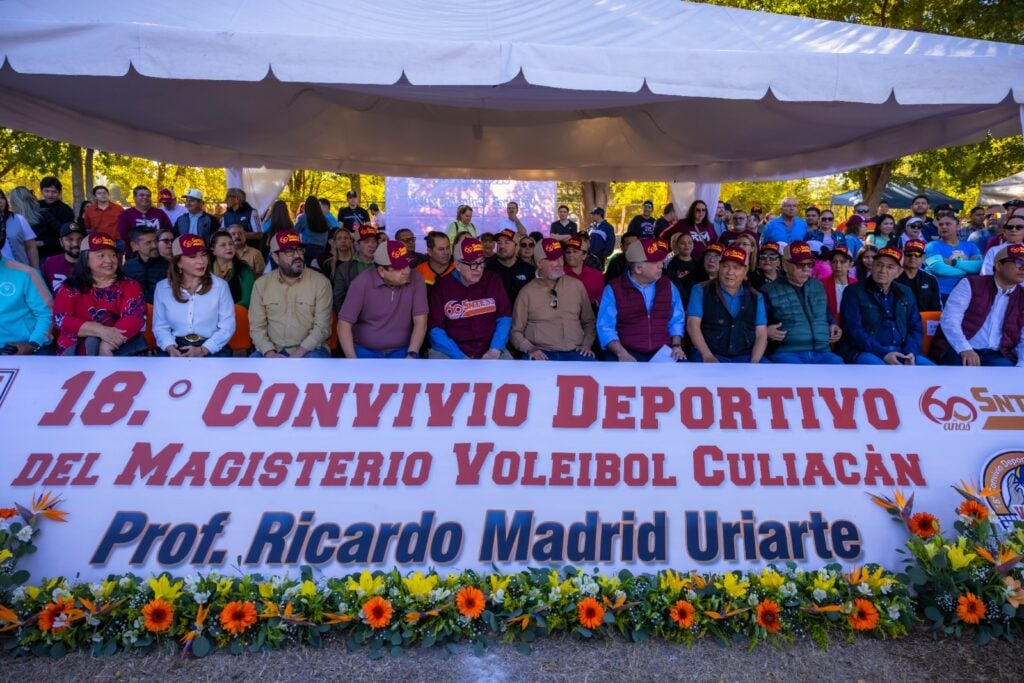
point(193, 465)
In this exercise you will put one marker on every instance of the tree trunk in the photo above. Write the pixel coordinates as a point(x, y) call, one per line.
point(873, 180)
point(77, 177)
point(161, 176)
point(595, 194)
point(353, 179)
point(90, 176)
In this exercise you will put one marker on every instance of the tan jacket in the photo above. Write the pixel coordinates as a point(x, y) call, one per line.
point(535, 322)
point(283, 316)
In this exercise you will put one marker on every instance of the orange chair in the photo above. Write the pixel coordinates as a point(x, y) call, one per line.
point(147, 331)
point(240, 340)
point(332, 341)
point(929, 323)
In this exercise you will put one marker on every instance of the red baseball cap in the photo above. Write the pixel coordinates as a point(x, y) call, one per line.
point(772, 247)
point(471, 250)
point(892, 252)
point(167, 194)
point(736, 255)
point(1010, 251)
point(96, 241)
point(367, 232)
point(393, 254)
point(914, 247)
point(188, 245)
point(840, 249)
point(714, 248)
point(573, 242)
point(506, 234)
point(548, 249)
point(286, 240)
point(647, 251)
point(798, 252)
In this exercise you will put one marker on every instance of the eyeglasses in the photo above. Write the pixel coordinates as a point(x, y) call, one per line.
point(826, 219)
point(166, 241)
point(1015, 226)
point(1015, 261)
point(769, 257)
point(863, 210)
point(526, 245)
point(554, 299)
point(476, 265)
point(297, 251)
point(912, 254)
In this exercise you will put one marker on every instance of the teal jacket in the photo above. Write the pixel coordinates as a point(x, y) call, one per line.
point(805, 320)
point(26, 307)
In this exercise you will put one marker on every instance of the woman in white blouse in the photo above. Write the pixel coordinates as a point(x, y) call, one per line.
point(193, 312)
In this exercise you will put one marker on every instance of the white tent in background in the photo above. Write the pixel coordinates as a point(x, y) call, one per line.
point(1002, 191)
point(533, 89)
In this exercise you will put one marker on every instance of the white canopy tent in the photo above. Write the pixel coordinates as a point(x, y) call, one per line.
point(531, 89)
point(1002, 191)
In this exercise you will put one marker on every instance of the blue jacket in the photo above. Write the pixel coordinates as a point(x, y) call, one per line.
point(26, 308)
point(864, 325)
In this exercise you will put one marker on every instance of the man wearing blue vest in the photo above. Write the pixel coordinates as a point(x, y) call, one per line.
point(641, 311)
point(726, 319)
point(798, 316)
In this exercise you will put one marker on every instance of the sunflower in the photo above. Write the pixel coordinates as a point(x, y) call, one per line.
point(864, 616)
point(470, 601)
point(377, 612)
point(969, 608)
point(682, 614)
point(158, 615)
point(238, 616)
point(973, 509)
point(591, 613)
point(923, 525)
point(768, 616)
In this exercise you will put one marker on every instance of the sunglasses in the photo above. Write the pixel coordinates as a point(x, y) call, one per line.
point(476, 265)
point(1015, 261)
point(554, 299)
point(863, 210)
point(1015, 226)
point(526, 245)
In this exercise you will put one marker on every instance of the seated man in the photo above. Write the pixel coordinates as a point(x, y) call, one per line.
point(949, 258)
point(924, 285)
point(290, 309)
point(385, 311)
point(641, 311)
point(981, 323)
point(362, 260)
point(146, 267)
point(575, 267)
point(58, 267)
point(470, 315)
point(881, 322)
point(553, 319)
point(797, 309)
point(26, 307)
point(726, 319)
point(252, 256)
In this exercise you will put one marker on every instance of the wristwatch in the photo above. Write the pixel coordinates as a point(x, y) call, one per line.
point(412, 354)
point(35, 346)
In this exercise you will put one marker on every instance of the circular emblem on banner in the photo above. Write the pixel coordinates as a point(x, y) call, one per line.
point(1004, 474)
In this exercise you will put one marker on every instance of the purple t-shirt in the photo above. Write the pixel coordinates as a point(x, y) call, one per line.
point(132, 218)
point(468, 314)
point(55, 270)
point(381, 317)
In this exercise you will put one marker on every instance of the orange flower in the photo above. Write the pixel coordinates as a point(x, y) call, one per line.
point(864, 616)
point(768, 612)
point(58, 615)
point(470, 601)
point(969, 608)
point(682, 614)
point(238, 616)
point(973, 509)
point(158, 615)
point(7, 513)
point(923, 525)
point(377, 612)
point(591, 613)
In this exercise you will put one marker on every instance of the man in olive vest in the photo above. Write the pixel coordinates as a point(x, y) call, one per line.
point(800, 322)
point(981, 323)
point(726, 319)
point(641, 311)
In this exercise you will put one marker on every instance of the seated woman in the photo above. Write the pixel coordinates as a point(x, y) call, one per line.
point(706, 270)
point(98, 311)
point(228, 266)
point(769, 258)
point(339, 250)
point(193, 314)
point(840, 278)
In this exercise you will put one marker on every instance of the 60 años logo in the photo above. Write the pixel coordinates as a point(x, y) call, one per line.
point(954, 414)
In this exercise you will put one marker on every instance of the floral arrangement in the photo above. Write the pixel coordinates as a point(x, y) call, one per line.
point(388, 612)
point(18, 527)
point(970, 579)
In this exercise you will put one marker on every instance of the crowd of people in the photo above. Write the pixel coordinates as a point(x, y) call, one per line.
point(730, 286)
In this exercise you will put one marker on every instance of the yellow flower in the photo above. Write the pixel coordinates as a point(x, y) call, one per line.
point(821, 583)
point(308, 589)
point(224, 586)
point(732, 586)
point(419, 586)
point(672, 582)
point(931, 549)
point(566, 587)
point(32, 592)
point(771, 579)
point(5, 555)
point(367, 584)
point(266, 590)
point(499, 583)
point(609, 583)
point(107, 587)
point(960, 558)
point(163, 589)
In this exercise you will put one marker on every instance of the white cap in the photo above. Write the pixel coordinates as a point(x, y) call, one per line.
point(194, 194)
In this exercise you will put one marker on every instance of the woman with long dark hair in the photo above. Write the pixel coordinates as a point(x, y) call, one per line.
point(21, 241)
point(862, 264)
point(884, 232)
point(697, 224)
point(230, 267)
point(193, 314)
point(98, 311)
point(312, 228)
point(279, 220)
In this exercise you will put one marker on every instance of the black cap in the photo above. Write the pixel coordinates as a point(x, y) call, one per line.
point(945, 207)
point(727, 206)
point(69, 228)
point(374, 207)
point(598, 210)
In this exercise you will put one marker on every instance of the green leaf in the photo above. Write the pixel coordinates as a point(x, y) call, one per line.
point(585, 632)
point(932, 613)
point(429, 640)
point(609, 618)
point(524, 648)
point(201, 646)
point(983, 637)
point(58, 650)
point(479, 647)
point(40, 650)
point(639, 636)
point(1009, 610)
point(917, 576)
point(396, 638)
point(397, 651)
point(19, 577)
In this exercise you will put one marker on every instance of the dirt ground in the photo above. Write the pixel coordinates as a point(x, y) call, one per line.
point(918, 658)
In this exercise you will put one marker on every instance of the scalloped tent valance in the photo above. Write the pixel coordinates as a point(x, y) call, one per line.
point(579, 89)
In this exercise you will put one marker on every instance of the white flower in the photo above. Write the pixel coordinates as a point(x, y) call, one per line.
point(894, 612)
point(864, 589)
point(125, 582)
point(819, 595)
point(691, 595)
point(4, 525)
point(97, 590)
point(498, 597)
point(60, 593)
point(789, 590)
point(886, 587)
point(201, 597)
point(20, 594)
point(25, 533)
point(555, 594)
